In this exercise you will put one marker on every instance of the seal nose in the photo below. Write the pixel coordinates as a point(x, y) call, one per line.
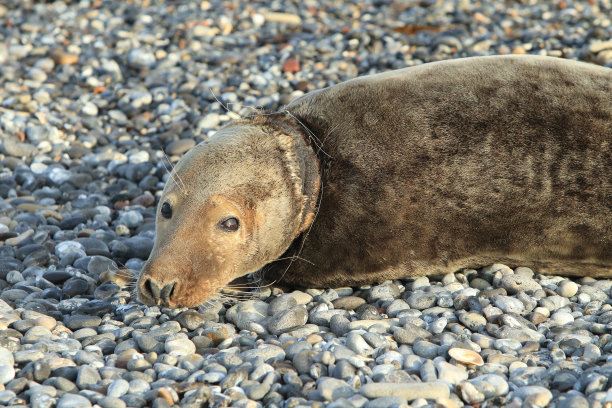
point(159, 295)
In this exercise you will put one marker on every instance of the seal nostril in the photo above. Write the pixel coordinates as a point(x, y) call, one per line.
point(152, 289)
point(167, 291)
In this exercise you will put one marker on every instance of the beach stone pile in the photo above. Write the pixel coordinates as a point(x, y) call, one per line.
point(98, 98)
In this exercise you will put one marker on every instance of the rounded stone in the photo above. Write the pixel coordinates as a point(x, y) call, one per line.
point(567, 289)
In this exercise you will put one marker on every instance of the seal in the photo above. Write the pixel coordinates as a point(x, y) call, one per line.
point(420, 171)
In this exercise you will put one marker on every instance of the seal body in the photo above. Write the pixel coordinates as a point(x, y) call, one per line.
point(431, 169)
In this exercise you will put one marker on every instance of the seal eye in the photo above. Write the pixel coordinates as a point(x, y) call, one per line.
point(230, 224)
point(166, 210)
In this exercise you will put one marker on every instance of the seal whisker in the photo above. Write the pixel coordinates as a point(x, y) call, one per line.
point(294, 257)
point(226, 107)
point(325, 137)
point(313, 137)
point(232, 289)
point(173, 174)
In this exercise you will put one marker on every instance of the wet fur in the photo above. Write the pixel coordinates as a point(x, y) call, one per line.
point(460, 164)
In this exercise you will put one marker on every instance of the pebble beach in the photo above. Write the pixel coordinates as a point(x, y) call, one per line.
point(99, 98)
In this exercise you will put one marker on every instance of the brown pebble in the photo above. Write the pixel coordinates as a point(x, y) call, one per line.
point(122, 362)
point(64, 58)
point(529, 347)
point(146, 200)
point(502, 359)
point(163, 393)
point(29, 207)
point(537, 318)
point(52, 214)
point(465, 356)
point(291, 65)
point(46, 321)
point(276, 17)
point(348, 302)
point(287, 344)
point(119, 205)
point(314, 338)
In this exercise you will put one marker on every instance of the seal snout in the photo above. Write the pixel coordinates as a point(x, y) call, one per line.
point(161, 293)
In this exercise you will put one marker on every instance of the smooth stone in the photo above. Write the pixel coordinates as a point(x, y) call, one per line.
point(572, 401)
point(409, 334)
point(348, 302)
point(469, 393)
point(87, 377)
point(179, 345)
point(269, 353)
point(535, 394)
point(118, 388)
point(191, 319)
point(527, 376)
point(180, 146)
point(332, 388)
point(561, 318)
point(76, 322)
point(111, 402)
point(248, 311)
point(73, 401)
point(491, 385)
point(281, 304)
point(385, 291)
point(409, 392)
point(567, 289)
point(75, 287)
point(288, 320)
point(450, 373)
point(422, 300)
point(508, 304)
point(514, 283)
point(473, 321)
point(425, 349)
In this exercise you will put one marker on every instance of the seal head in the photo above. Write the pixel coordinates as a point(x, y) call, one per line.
point(218, 219)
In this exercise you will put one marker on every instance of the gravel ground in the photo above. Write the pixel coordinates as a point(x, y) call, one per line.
point(92, 93)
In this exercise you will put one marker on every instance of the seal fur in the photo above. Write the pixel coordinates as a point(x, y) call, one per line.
point(422, 171)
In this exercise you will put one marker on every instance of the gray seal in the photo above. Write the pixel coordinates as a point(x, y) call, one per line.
point(420, 171)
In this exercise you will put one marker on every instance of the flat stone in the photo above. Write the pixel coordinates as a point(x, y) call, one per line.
point(409, 392)
point(514, 283)
point(73, 401)
point(288, 320)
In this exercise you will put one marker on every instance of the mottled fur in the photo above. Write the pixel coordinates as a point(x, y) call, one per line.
point(423, 171)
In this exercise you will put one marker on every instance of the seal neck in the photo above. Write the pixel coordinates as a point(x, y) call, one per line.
point(310, 174)
point(305, 163)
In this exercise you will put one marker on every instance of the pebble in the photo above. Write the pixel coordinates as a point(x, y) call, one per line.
point(73, 401)
point(409, 391)
point(567, 289)
point(288, 320)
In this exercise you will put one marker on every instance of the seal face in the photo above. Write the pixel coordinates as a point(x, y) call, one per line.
point(420, 171)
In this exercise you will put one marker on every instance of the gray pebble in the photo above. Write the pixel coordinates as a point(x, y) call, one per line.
point(73, 401)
